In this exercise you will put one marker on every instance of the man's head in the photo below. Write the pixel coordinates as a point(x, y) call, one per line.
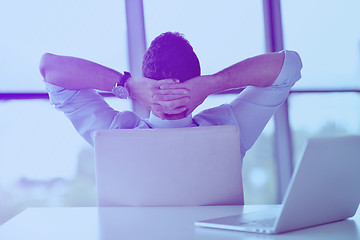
point(170, 55)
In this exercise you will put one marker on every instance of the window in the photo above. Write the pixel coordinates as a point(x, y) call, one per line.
point(323, 115)
point(328, 41)
point(94, 30)
point(327, 38)
point(43, 161)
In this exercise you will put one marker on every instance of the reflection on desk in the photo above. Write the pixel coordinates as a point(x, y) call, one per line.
point(151, 223)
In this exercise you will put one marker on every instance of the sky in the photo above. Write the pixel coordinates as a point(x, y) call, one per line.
point(324, 32)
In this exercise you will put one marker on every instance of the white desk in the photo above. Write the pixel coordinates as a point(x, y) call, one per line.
point(148, 223)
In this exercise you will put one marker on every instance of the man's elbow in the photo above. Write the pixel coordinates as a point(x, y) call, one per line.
point(44, 64)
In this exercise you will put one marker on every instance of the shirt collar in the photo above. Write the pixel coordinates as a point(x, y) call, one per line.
point(157, 122)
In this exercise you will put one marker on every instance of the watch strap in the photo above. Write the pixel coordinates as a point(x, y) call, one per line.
point(124, 78)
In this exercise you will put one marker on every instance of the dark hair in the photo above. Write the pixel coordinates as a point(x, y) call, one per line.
point(170, 55)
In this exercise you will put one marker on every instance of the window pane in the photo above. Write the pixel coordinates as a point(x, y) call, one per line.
point(221, 32)
point(94, 30)
point(43, 160)
point(323, 115)
point(259, 173)
point(327, 36)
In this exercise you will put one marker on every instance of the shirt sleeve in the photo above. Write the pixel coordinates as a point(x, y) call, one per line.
point(254, 106)
point(88, 111)
point(290, 72)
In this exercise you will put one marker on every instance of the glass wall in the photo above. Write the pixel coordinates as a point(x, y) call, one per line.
point(43, 161)
point(328, 41)
point(91, 29)
point(323, 115)
point(327, 37)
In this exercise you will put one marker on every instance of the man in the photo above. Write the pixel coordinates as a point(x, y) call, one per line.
point(172, 88)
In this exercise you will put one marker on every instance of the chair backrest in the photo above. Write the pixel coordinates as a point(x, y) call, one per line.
point(169, 167)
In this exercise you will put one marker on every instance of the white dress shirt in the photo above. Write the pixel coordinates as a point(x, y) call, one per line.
point(250, 111)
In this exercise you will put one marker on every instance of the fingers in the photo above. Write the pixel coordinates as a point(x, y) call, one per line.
point(188, 112)
point(156, 110)
point(180, 91)
point(159, 111)
point(170, 94)
point(167, 81)
point(169, 97)
point(157, 98)
point(167, 86)
point(173, 111)
point(169, 107)
point(173, 104)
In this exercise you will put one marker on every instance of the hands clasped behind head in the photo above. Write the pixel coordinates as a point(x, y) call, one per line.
point(170, 98)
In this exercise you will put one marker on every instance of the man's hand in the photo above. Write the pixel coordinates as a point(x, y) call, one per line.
point(195, 89)
point(145, 91)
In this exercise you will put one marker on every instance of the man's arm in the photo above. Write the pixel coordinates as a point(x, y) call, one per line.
point(259, 71)
point(76, 74)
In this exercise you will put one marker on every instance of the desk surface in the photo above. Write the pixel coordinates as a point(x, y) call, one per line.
point(151, 223)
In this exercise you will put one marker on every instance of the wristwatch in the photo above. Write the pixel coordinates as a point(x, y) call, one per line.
point(120, 90)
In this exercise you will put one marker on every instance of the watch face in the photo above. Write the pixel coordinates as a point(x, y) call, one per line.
point(120, 92)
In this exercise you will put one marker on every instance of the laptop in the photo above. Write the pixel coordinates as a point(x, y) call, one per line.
point(168, 167)
point(324, 188)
